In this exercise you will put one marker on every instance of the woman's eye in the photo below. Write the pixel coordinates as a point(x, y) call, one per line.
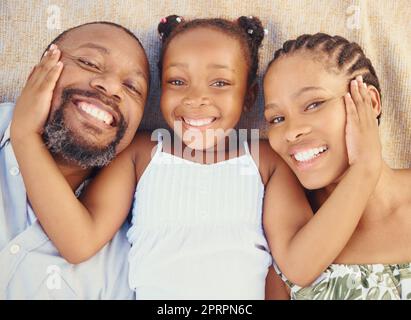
point(88, 63)
point(276, 120)
point(176, 82)
point(313, 105)
point(220, 84)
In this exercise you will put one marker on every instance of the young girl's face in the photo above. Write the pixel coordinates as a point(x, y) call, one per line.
point(204, 82)
point(305, 107)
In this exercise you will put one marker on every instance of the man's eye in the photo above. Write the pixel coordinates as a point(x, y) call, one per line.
point(132, 88)
point(313, 105)
point(276, 120)
point(88, 63)
point(176, 82)
point(220, 84)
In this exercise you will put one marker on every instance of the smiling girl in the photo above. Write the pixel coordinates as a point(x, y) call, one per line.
point(307, 106)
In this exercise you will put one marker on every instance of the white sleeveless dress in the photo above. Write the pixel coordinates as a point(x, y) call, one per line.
point(197, 230)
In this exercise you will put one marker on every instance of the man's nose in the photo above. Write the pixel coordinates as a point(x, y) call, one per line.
point(108, 84)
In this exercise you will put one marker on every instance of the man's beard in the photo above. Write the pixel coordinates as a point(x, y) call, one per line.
point(71, 146)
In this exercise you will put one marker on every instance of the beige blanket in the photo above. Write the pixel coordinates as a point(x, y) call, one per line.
point(382, 27)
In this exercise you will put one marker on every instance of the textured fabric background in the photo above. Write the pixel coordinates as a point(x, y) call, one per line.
point(382, 27)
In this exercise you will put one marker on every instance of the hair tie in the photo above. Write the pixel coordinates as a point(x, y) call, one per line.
point(163, 20)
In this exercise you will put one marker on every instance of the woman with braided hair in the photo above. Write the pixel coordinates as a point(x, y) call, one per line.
point(323, 105)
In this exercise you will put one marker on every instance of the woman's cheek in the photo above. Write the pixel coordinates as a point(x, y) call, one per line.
point(274, 140)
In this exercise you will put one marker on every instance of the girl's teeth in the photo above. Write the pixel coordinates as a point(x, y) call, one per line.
point(309, 154)
point(97, 113)
point(198, 122)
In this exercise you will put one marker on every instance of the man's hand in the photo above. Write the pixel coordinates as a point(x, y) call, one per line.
point(33, 106)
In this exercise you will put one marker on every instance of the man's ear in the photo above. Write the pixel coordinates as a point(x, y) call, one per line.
point(375, 100)
point(251, 97)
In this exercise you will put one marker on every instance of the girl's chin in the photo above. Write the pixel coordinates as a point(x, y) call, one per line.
point(200, 145)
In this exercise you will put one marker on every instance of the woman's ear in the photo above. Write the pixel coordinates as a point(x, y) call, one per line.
point(251, 97)
point(375, 99)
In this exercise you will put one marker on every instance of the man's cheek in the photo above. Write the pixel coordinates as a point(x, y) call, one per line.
point(56, 99)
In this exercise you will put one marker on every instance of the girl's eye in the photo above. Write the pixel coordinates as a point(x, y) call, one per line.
point(132, 88)
point(176, 82)
point(314, 105)
point(276, 120)
point(88, 63)
point(220, 84)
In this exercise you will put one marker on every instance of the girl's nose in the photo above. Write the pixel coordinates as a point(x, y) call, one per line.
point(195, 98)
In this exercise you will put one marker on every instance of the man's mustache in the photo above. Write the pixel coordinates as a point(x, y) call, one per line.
point(68, 93)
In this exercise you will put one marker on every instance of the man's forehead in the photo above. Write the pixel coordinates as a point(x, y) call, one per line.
point(106, 39)
point(97, 32)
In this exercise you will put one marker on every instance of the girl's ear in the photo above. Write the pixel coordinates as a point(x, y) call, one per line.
point(375, 99)
point(251, 97)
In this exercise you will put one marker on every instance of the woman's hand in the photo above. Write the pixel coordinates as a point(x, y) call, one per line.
point(33, 106)
point(362, 137)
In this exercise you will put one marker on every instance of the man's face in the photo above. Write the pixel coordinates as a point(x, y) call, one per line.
point(99, 99)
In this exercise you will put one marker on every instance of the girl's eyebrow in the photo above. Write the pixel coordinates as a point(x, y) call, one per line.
point(178, 65)
point(270, 105)
point(219, 66)
point(210, 66)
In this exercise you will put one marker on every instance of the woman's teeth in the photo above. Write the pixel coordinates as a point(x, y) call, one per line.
point(199, 122)
point(96, 112)
point(309, 154)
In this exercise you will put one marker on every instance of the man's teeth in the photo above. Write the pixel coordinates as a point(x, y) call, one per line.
point(96, 112)
point(198, 122)
point(309, 154)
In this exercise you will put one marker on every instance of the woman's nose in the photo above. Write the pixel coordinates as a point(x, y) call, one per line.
point(295, 131)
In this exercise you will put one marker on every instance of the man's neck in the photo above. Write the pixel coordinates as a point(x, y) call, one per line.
point(74, 175)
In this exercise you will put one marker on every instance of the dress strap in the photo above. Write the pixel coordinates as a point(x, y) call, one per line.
point(159, 148)
point(252, 162)
point(160, 141)
point(246, 148)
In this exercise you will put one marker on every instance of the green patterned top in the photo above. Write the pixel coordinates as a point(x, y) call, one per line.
point(357, 282)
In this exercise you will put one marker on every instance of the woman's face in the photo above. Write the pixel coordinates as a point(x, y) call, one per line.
point(305, 107)
point(204, 83)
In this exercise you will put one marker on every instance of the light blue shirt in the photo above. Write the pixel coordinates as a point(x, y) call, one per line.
point(30, 266)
